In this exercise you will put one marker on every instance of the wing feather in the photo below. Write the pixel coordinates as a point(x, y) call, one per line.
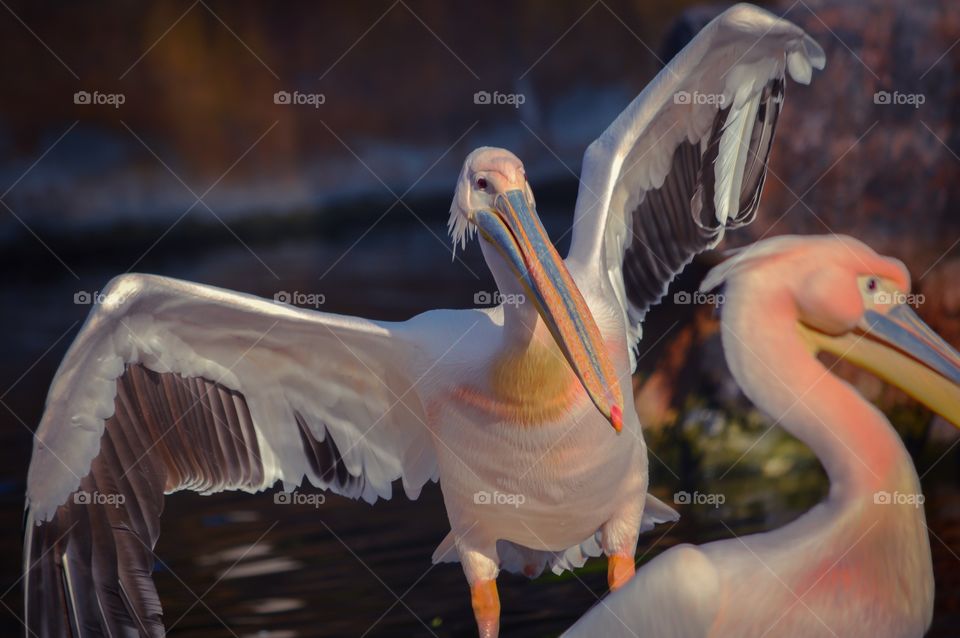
point(174, 386)
point(686, 160)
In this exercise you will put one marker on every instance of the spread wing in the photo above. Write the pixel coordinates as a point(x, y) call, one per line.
point(176, 386)
point(687, 159)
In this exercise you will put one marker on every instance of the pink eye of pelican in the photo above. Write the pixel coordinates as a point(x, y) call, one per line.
point(482, 184)
point(871, 284)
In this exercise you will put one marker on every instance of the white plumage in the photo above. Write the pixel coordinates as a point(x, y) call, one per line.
point(726, 66)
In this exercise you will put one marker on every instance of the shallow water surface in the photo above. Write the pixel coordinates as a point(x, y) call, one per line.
point(239, 565)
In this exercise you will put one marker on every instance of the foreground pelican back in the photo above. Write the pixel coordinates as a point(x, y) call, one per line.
point(857, 564)
point(687, 159)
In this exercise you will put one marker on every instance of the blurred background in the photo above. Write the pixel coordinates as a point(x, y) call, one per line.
point(310, 149)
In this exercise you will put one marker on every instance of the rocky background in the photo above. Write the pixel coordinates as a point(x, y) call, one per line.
point(870, 152)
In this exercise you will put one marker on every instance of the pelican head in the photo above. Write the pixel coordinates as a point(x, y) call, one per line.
point(494, 198)
point(855, 304)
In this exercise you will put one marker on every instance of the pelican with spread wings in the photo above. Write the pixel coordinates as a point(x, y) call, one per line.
point(176, 386)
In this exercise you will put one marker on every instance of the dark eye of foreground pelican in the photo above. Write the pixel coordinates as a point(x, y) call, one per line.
point(482, 184)
point(871, 285)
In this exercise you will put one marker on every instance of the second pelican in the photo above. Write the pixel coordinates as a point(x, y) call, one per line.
point(858, 563)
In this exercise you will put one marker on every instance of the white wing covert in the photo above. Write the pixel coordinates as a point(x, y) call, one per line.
point(177, 386)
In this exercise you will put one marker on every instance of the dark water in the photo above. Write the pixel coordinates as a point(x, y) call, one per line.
point(241, 565)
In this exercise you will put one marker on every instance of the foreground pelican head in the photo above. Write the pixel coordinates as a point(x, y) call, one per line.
point(494, 199)
point(857, 564)
point(877, 329)
point(854, 304)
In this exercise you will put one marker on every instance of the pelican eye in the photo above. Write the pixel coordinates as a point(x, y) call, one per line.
point(482, 184)
point(871, 284)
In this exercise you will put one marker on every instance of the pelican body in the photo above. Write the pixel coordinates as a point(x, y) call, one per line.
point(857, 564)
point(523, 412)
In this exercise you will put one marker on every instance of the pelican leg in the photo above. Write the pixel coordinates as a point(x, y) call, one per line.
point(620, 569)
point(620, 545)
point(486, 608)
point(481, 566)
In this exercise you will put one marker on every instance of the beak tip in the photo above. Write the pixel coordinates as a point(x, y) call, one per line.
point(616, 418)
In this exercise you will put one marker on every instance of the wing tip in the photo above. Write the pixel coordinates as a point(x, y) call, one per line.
point(804, 51)
point(814, 52)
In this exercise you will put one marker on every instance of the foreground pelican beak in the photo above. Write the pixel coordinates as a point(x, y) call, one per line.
point(514, 229)
point(900, 348)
